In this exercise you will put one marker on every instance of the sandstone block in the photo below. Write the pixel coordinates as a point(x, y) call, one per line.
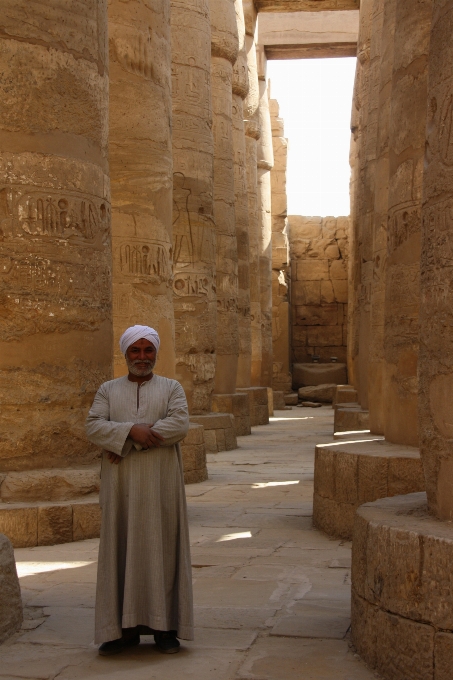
point(338, 270)
point(49, 485)
point(312, 270)
point(195, 476)
point(270, 401)
point(327, 293)
point(238, 405)
point(54, 524)
point(214, 421)
point(20, 524)
point(195, 435)
point(11, 614)
point(340, 288)
point(317, 315)
point(279, 400)
point(322, 393)
point(350, 419)
point(306, 292)
point(258, 400)
point(291, 399)
point(443, 655)
point(219, 431)
point(307, 374)
point(325, 336)
point(305, 227)
point(86, 520)
point(310, 404)
point(345, 394)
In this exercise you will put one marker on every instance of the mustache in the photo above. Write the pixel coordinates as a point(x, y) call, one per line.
point(142, 361)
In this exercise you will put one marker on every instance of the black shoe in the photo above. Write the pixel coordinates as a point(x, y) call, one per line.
point(117, 646)
point(166, 641)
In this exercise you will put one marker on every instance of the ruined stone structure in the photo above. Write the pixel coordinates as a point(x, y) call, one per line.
point(319, 290)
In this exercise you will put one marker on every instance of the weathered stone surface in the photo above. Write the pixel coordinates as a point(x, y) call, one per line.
point(56, 321)
point(49, 485)
point(435, 370)
point(349, 418)
point(291, 399)
point(318, 374)
point(54, 524)
point(258, 403)
point(238, 405)
point(86, 521)
point(11, 615)
point(193, 450)
point(400, 577)
point(219, 431)
point(194, 238)
point(241, 203)
point(279, 401)
point(140, 161)
point(323, 393)
point(345, 394)
point(352, 473)
point(224, 52)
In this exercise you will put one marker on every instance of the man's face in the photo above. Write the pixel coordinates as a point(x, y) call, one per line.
point(141, 357)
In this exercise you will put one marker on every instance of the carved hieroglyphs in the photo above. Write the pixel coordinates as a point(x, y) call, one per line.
point(240, 90)
point(194, 237)
point(141, 173)
point(265, 162)
point(55, 272)
point(252, 133)
point(224, 51)
point(436, 315)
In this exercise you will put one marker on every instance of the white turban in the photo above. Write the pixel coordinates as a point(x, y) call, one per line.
point(135, 333)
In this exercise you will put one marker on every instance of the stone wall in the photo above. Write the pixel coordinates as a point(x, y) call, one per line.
point(319, 287)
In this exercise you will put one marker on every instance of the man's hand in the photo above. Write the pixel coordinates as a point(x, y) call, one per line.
point(144, 434)
point(113, 458)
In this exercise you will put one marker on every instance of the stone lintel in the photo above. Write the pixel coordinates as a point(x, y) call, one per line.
point(402, 618)
point(311, 51)
point(350, 473)
point(306, 5)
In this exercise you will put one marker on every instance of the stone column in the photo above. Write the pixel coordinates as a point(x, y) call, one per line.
point(141, 172)
point(240, 90)
point(265, 162)
point(357, 293)
point(406, 156)
point(376, 371)
point(252, 133)
point(436, 302)
point(281, 376)
point(56, 321)
point(224, 51)
point(194, 238)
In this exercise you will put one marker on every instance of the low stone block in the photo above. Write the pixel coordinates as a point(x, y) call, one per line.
point(258, 402)
point(279, 401)
point(20, 524)
point(230, 440)
point(323, 393)
point(11, 613)
point(195, 476)
point(350, 419)
point(195, 435)
point(86, 520)
point(443, 656)
point(54, 524)
point(345, 394)
point(270, 401)
point(238, 405)
point(291, 399)
point(49, 485)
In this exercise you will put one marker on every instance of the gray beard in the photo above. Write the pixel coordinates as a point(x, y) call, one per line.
point(140, 372)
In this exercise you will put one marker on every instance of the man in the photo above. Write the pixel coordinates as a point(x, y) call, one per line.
point(144, 580)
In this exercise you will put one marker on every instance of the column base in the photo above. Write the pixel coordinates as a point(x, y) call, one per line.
point(279, 400)
point(258, 403)
point(350, 418)
point(219, 431)
point(348, 474)
point(238, 405)
point(402, 614)
point(193, 450)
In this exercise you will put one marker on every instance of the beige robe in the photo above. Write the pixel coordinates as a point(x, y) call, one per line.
point(144, 570)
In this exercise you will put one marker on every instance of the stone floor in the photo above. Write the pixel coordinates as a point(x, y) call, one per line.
point(272, 595)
